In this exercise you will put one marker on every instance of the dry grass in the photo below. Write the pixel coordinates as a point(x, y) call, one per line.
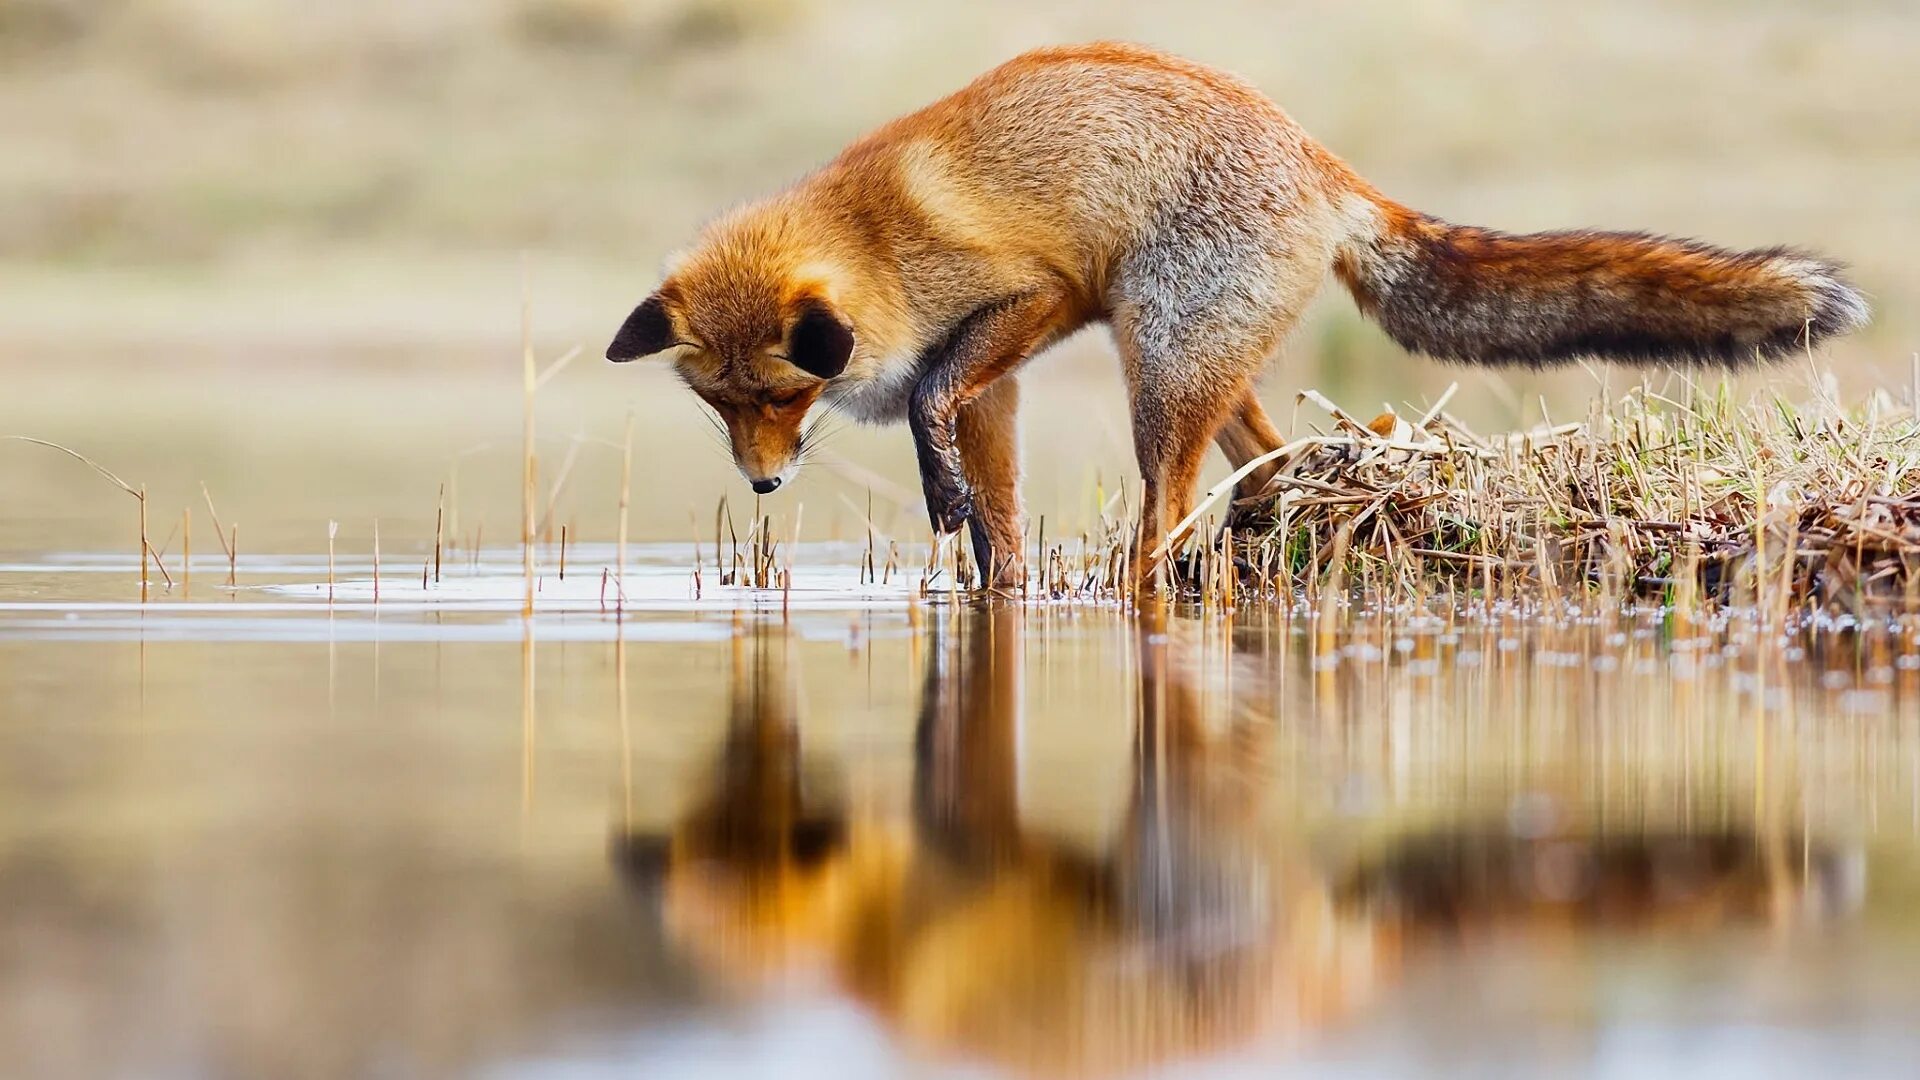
point(1687, 496)
point(1679, 497)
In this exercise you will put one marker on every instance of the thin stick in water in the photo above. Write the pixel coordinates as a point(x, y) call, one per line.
point(219, 532)
point(140, 494)
point(529, 384)
point(626, 491)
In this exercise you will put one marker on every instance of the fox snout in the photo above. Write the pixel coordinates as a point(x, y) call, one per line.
point(766, 481)
point(765, 452)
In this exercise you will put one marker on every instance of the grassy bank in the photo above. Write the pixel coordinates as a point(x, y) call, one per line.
point(1678, 492)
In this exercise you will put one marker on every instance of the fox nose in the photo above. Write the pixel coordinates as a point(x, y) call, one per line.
point(767, 486)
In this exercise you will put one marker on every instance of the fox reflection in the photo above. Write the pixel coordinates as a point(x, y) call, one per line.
point(1195, 927)
point(968, 930)
point(1177, 936)
point(741, 874)
point(1468, 883)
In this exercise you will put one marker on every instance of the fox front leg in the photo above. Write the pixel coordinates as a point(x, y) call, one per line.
point(932, 415)
point(989, 429)
point(990, 342)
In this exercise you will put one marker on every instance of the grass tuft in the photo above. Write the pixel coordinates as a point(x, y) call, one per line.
point(1767, 504)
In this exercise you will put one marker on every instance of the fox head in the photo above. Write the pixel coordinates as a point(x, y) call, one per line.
point(755, 332)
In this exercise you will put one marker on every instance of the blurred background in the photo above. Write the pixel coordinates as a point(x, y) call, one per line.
point(275, 245)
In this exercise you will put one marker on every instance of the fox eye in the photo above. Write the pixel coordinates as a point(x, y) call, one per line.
point(788, 399)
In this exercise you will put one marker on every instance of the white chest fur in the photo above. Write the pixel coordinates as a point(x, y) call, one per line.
point(879, 398)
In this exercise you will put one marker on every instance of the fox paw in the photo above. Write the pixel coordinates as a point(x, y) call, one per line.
point(949, 510)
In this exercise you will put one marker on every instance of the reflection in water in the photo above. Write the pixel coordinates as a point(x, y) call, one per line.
point(1198, 925)
point(1459, 885)
point(748, 857)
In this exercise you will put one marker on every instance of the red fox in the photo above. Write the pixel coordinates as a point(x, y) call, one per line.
point(912, 276)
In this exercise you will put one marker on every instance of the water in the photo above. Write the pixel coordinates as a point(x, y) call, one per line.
point(832, 833)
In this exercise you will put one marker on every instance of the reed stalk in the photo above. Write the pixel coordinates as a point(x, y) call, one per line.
point(529, 384)
point(626, 494)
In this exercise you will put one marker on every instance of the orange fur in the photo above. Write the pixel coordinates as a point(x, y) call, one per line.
point(1112, 183)
point(989, 443)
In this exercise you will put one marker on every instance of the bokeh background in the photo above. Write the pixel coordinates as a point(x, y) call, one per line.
point(275, 245)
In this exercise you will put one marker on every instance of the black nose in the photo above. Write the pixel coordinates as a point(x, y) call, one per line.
point(766, 487)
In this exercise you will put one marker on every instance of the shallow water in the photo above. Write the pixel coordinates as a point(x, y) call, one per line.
point(828, 832)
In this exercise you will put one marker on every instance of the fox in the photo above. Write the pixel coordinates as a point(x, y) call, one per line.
point(913, 276)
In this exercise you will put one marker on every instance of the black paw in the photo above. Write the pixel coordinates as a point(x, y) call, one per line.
point(985, 563)
point(949, 509)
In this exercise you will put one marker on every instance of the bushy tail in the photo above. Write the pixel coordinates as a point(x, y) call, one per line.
point(1486, 297)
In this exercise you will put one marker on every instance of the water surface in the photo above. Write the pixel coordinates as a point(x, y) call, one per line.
point(255, 833)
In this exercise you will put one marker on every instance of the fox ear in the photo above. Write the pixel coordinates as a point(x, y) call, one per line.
point(819, 343)
point(647, 331)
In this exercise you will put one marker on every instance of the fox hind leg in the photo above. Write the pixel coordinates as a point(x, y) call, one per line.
point(1191, 383)
point(1173, 420)
point(1177, 408)
point(1247, 434)
point(1195, 313)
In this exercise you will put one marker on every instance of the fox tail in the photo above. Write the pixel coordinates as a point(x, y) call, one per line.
point(1485, 297)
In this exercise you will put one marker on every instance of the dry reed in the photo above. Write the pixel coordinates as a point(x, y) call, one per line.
point(139, 494)
point(228, 545)
point(1763, 504)
point(529, 384)
point(626, 495)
